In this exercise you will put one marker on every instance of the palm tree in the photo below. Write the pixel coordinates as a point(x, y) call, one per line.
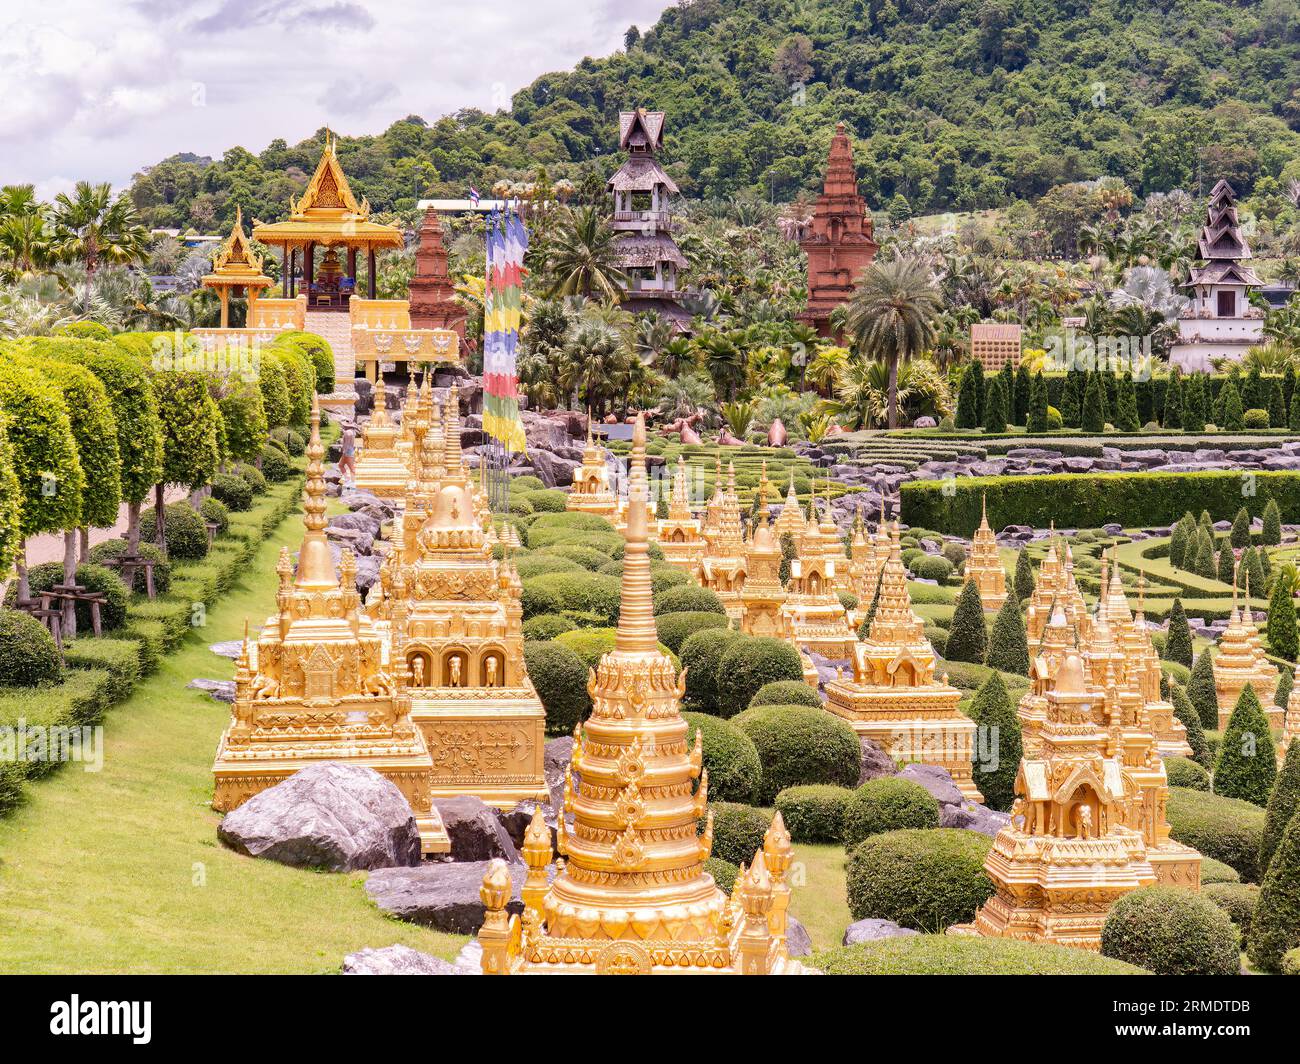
point(583, 260)
point(94, 228)
point(891, 317)
point(724, 361)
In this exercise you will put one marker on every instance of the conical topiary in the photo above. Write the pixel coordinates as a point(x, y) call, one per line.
point(1205, 562)
point(1023, 395)
point(1178, 643)
point(1282, 805)
point(1172, 417)
point(1037, 419)
point(968, 637)
point(1275, 925)
point(1283, 638)
point(1234, 417)
point(1239, 537)
point(995, 406)
point(1126, 410)
point(1008, 641)
point(997, 744)
point(1023, 581)
point(1247, 764)
point(1094, 404)
point(1179, 538)
point(1186, 713)
point(970, 396)
point(1276, 407)
point(1272, 534)
point(1285, 681)
point(1200, 690)
point(1227, 567)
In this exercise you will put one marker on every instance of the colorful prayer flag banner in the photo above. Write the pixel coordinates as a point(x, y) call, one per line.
point(507, 240)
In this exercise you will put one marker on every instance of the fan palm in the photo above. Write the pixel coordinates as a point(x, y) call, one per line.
point(583, 259)
point(891, 318)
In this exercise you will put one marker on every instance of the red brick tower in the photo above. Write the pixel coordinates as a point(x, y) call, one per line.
point(433, 305)
point(839, 241)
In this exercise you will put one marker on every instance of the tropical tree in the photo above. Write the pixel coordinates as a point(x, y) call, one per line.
point(91, 227)
point(582, 257)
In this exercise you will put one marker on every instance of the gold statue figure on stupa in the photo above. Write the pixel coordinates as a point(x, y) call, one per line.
point(631, 895)
point(318, 686)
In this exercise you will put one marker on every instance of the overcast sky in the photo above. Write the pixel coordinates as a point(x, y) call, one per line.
point(97, 90)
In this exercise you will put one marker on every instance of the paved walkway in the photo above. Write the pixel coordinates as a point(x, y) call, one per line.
point(49, 547)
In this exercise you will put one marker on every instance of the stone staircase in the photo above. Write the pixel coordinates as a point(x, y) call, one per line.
point(336, 329)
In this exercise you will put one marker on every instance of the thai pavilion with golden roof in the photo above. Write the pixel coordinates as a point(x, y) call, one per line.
point(236, 270)
point(679, 534)
point(319, 686)
point(591, 492)
point(1240, 661)
point(893, 696)
point(455, 623)
point(630, 894)
point(984, 565)
point(1069, 852)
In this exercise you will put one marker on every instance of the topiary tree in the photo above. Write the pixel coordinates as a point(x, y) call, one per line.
point(689, 598)
point(1008, 642)
point(700, 656)
point(1234, 416)
point(1194, 404)
point(1023, 582)
point(1126, 407)
point(1072, 398)
point(1238, 900)
point(1186, 712)
point(243, 417)
point(28, 656)
point(1283, 638)
point(1170, 931)
point(1276, 406)
point(547, 626)
point(273, 383)
point(995, 407)
point(1240, 534)
point(1023, 394)
point(999, 748)
point(560, 679)
point(1204, 563)
point(799, 745)
point(190, 436)
point(1275, 927)
point(968, 636)
point(1178, 642)
point(1180, 537)
point(788, 553)
point(738, 831)
point(927, 880)
point(1094, 404)
point(1227, 566)
point(187, 537)
point(235, 492)
point(1247, 764)
point(890, 803)
point(675, 628)
point(1282, 805)
point(1201, 692)
point(815, 812)
point(970, 396)
point(1172, 415)
point(1036, 421)
point(1272, 533)
point(747, 665)
point(785, 693)
point(1183, 772)
point(730, 758)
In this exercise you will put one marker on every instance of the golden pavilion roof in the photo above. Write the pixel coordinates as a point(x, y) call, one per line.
point(236, 264)
point(327, 213)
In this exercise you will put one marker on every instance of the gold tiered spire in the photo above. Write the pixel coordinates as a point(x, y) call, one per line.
point(893, 695)
point(763, 596)
point(984, 566)
point(817, 619)
point(317, 689)
point(1241, 661)
point(791, 518)
point(591, 492)
point(722, 569)
point(1055, 586)
point(632, 895)
point(381, 469)
point(864, 566)
point(679, 533)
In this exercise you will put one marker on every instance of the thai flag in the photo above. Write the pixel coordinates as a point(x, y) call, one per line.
point(474, 195)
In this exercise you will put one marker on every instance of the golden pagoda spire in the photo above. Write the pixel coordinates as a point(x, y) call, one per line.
point(315, 564)
point(636, 628)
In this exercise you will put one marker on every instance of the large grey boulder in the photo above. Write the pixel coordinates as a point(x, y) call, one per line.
point(875, 762)
point(798, 943)
point(231, 648)
point(554, 471)
point(358, 542)
point(937, 781)
point(973, 817)
point(475, 830)
point(442, 896)
point(331, 816)
point(874, 930)
point(396, 960)
point(358, 520)
point(220, 690)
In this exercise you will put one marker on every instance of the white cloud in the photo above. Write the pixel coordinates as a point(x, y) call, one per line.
point(99, 91)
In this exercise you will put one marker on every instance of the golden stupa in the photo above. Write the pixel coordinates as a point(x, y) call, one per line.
point(456, 628)
point(591, 492)
point(1067, 854)
point(864, 566)
point(722, 569)
point(1291, 719)
point(828, 543)
point(763, 596)
point(817, 619)
point(381, 469)
point(984, 566)
point(318, 686)
point(1240, 661)
point(893, 696)
point(790, 521)
point(1055, 586)
point(679, 533)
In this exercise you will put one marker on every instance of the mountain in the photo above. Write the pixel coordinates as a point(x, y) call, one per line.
point(955, 105)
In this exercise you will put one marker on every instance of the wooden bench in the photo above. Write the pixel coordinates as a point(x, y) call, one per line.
point(74, 593)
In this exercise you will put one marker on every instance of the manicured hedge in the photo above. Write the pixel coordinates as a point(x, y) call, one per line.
point(785, 693)
point(800, 745)
point(187, 538)
point(701, 655)
point(28, 655)
point(547, 626)
point(162, 570)
point(1213, 871)
point(689, 598)
point(1184, 772)
point(738, 831)
point(675, 628)
point(888, 804)
point(927, 879)
point(233, 490)
point(730, 758)
point(539, 564)
point(1238, 900)
point(1170, 931)
point(814, 812)
point(724, 873)
point(1227, 829)
point(1073, 500)
point(953, 955)
point(112, 611)
point(748, 665)
point(560, 678)
point(582, 591)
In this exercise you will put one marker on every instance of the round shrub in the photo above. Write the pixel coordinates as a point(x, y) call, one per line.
point(112, 611)
point(932, 567)
point(848, 601)
point(28, 656)
point(925, 880)
point(675, 628)
point(1238, 900)
point(253, 477)
point(520, 505)
point(701, 656)
point(1227, 829)
point(748, 665)
point(560, 678)
point(527, 483)
point(554, 528)
point(738, 831)
point(537, 598)
point(1184, 772)
point(888, 804)
point(1290, 963)
point(276, 465)
point(938, 638)
point(724, 873)
point(799, 745)
point(1171, 932)
point(234, 491)
point(547, 626)
point(214, 511)
point(814, 813)
point(538, 564)
point(729, 756)
point(950, 955)
point(689, 598)
point(955, 553)
point(592, 644)
point(187, 538)
point(586, 592)
point(785, 693)
point(616, 549)
point(292, 441)
point(575, 552)
point(1255, 419)
point(1213, 871)
point(546, 501)
point(115, 548)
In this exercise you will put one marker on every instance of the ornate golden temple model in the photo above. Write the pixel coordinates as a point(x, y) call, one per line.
point(1068, 853)
point(722, 569)
point(455, 624)
point(317, 687)
point(591, 492)
point(984, 566)
point(631, 895)
point(679, 534)
point(1240, 661)
point(893, 696)
point(381, 469)
point(1291, 719)
point(763, 597)
point(815, 616)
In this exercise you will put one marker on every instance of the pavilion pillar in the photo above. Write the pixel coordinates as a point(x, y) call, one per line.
point(370, 264)
point(286, 277)
point(352, 266)
point(225, 308)
point(293, 269)
point(308, 269)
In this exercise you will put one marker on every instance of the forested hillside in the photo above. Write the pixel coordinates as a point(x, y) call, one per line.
point(955, 104)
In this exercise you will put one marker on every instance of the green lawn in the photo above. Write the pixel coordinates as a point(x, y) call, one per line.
point(121, 871)
point(817, 894)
